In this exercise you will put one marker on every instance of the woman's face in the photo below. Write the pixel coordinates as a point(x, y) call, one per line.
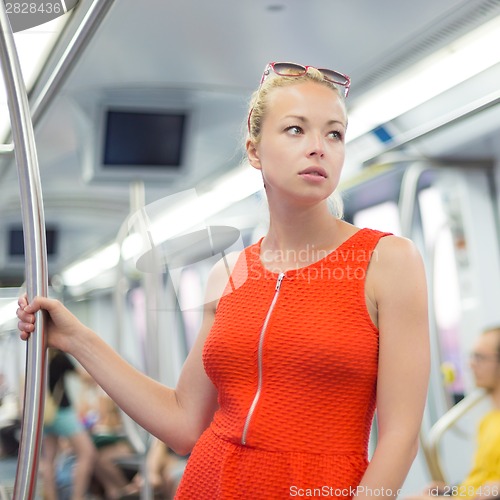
point(302, 148)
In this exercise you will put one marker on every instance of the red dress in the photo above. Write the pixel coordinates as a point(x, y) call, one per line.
point(294, 358)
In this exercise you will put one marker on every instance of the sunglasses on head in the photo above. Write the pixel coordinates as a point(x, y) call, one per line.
point(289, 69)
point(296, 70)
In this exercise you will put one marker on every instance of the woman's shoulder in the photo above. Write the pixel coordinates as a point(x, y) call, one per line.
point(390, 252)
point(219, 275)
point(363, 236)
point(395, 250)
point(395, 263)
point(225, 265)
point(387, 243)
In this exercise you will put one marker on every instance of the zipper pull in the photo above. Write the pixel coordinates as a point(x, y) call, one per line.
point(280, 279)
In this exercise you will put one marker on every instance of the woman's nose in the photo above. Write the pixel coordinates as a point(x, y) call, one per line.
point(316, 146)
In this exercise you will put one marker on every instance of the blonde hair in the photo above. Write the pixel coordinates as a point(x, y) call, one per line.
point(258, 101)
point(258, 107)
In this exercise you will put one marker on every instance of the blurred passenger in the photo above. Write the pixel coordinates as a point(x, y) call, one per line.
point(483, 480)
point(10, 421)
point(163, 469)
point(4, 386)
point(102, 419)
point(319, 323)
point(65, 425)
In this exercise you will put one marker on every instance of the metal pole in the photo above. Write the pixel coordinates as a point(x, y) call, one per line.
point(77, 45)
point(35, 259)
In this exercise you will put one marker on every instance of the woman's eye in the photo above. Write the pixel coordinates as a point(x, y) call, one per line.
point(336, 134)
point(294, 130)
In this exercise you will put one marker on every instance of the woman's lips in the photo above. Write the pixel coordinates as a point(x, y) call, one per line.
point(314, 172)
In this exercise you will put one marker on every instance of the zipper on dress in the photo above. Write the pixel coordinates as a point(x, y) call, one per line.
point(259, 360)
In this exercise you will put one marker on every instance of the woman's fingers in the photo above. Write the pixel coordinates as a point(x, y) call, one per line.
point(22, 301)
point(59, 323)
point(26, 327)
point(26, 315)
point(24, 335)
point(35, 305)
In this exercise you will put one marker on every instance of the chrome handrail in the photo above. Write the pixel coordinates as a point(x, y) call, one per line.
point(35, 259)
point(407, 209)
point(430, 445)
point(33, 221)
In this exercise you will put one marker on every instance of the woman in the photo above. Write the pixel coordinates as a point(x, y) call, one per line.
point(65, 425)
point(279, 390)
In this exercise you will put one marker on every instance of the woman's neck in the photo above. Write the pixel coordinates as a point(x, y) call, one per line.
point(295, 227)
point(299, 237)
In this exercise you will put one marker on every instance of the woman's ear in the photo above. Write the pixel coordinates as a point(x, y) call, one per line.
point(253, 154)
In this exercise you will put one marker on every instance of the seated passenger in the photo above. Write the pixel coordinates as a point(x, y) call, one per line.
point(163, 469)
point(102, 418)
point(483, 480)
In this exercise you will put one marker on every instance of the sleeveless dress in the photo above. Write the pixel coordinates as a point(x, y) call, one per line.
point(294, 358)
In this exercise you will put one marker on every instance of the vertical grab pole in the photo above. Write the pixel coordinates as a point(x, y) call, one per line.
point(35, 258)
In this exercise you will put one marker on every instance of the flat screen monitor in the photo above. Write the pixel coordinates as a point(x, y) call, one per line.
point(143, 139)
point(138, 143)
point(16, 241)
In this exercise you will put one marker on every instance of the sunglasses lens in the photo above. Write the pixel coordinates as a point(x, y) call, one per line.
point(335, 77)
point(293, 69)
point(289, 69)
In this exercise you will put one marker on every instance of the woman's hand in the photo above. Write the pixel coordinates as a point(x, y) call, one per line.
point(60, 325)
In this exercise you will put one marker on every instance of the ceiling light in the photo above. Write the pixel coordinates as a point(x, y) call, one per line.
point(89, 268)
point(33, 47)
point(167, 218)
point(456, 63)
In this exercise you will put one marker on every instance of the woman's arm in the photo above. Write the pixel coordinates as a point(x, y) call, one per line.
point(176, 416)
point(396, 281)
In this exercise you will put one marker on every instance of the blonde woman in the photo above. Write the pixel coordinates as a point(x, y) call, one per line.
point(326, 323)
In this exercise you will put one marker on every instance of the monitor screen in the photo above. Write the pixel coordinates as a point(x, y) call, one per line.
point(16, 241)
point(143, 138)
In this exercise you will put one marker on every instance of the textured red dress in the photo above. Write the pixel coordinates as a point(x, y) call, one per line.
point(294, 358)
